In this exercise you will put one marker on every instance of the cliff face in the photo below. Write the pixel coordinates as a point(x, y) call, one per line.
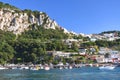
point(18, 22)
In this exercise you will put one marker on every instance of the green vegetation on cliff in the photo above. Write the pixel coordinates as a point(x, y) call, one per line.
point(7, 6)
point(32, 45)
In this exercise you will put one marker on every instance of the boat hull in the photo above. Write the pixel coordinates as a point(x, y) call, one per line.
point(107, 67)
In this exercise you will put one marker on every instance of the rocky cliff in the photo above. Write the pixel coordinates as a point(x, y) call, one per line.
point(18, 21)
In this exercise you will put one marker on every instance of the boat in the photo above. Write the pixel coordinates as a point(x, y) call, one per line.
point(35, 68)
point(41, 67)
point(61, 67)
point(13, 68)
point(2, 68)
point(70, 67)
point(23, 67)
point(107, 67)
point(47, 68)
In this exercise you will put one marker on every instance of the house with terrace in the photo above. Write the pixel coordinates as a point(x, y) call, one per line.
point(63, 54)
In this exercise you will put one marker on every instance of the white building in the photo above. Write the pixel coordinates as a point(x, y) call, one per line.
point(82, 51)
point(63, 54)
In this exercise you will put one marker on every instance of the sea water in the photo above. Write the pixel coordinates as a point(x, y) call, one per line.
point(83, 73)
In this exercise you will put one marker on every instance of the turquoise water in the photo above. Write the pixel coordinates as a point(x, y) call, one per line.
point(84, 73)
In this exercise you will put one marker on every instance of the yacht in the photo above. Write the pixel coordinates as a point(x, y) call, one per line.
point(108, 67)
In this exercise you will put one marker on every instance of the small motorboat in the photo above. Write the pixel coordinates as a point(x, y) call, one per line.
point(61, 67)
point(47, 68)
point(2, 68)
point(35, 68)
point(107, 67)
point(70, 67)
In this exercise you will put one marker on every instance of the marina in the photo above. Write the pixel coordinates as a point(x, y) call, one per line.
point(51, 66)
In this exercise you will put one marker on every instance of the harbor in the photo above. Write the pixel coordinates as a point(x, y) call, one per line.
point(51, 66)
point(83, 73)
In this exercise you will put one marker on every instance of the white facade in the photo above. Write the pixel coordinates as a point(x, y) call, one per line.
point(63, 54)
point(82, 51)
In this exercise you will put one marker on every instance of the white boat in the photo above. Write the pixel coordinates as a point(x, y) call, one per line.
point(35, 68)
point(23, 67)
point(41, 67)
point(2, 68)
point(107, 67)
point(47, 68)
point(70, 67)
point(66, 67)
point(61, 67)
point(14, 68)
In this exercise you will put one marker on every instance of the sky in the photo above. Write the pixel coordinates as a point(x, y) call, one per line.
point(80, 16)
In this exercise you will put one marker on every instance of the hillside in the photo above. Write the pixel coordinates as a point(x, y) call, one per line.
point(17, 21)
point(28, 36)
point(114, 31)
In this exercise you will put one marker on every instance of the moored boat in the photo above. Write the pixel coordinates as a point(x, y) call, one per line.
point(41, 67)
point(70, 67)
point(35, 68)
point(107, 67)
point(47, 68)
point(61, 67)
point(2, 68)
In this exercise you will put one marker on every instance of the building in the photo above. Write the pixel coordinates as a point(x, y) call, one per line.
point(82, 51)
point(100, 59)
point(63, 54)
